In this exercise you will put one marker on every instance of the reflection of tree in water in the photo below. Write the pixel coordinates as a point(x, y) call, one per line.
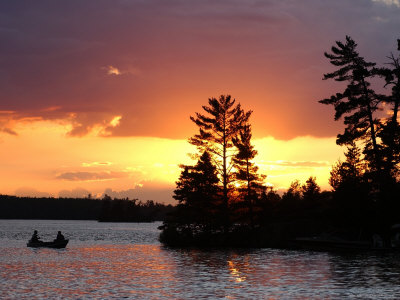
point(280, 272)
point(284, 274)
point(215, 267)
point(216, 259)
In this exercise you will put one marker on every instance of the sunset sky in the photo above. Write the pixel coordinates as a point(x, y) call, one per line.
point(95, 96)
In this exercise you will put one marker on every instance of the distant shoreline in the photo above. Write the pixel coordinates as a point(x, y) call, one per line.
point(102, 210)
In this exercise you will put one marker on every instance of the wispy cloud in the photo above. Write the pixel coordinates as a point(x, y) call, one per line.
point(8, 131)
point(107, 129)
point(98, 124)
point(92, 176)
point(115, 121)
point(52, 108)
point(298, 164)
point(389, 2)
point(111, 70)
point(380, 19)
point(96, 163)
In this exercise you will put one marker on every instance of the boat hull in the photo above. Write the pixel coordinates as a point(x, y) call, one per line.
point(54, 244)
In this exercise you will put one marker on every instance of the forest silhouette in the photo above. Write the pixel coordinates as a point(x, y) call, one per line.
point(106, 209)
point(223, 199)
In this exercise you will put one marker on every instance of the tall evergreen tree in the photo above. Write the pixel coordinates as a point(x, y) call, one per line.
point(350, 171)
point(310, 190)
point(352, 200)
point(251, 183)
point(390, 133)
point(197, 191)
point(358, 102)
point(293, 194)
point(217, 129)
point(291, 199)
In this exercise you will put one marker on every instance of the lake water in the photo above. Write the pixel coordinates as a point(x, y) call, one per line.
point(126, 261)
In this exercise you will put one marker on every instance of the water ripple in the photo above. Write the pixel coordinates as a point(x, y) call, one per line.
point(125, 261)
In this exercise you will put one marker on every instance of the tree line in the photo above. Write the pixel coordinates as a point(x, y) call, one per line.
point(367, 182)
point(104, 210)
point(223, 199)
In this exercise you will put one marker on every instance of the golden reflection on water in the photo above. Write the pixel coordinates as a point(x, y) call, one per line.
point(235, 272)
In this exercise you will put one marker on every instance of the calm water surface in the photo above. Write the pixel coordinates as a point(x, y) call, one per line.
point(126, 261)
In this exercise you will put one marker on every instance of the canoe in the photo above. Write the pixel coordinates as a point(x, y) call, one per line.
point(54, 244)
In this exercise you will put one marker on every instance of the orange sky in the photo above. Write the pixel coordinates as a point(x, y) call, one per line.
point(43, 161)
point(96, 97)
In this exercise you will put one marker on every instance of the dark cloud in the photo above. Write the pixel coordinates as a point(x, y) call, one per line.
point(171, 56)
point(91, 176)
point(8, 131)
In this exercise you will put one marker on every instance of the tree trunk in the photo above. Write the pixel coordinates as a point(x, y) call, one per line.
point(249, 195)
point(225, 180)
point(372, 126)
point(396, 106)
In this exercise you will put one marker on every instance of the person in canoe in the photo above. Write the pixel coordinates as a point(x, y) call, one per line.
point(60, 237)
point(35, 238)
point(59, 242)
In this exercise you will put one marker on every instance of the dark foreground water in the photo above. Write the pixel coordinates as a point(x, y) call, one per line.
point(125, 260)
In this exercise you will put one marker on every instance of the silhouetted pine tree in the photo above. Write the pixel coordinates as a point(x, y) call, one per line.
point(198, 192)
point(352, 202)
point(390, 136)
point(251, 183)
point(310, 190)
point(291, 199)
point(293, 194)
point(217, 130)
point(390, 133)
point(358, 102)
point(350, 171)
